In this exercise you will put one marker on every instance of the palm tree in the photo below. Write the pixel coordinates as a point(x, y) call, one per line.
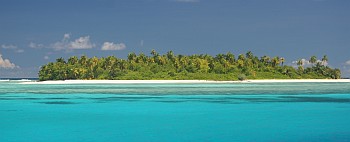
point(275, 61)
point(110, 61)
point(95, 61)
point(249, 55)
point(123, 64)
point(300, 62)
point(141, 58)
point(230, 57)
point(75, 73)
point(92, 63)
point(171, 56)
point(265, 59)
point(132, 56)
point(240, 63)
point(282, 60)
point(255, 62)
point(154, 53)
point(60, 60)
point(73, 60)
point(336, 74)
point(83, 60)
point(313, 60)
point(203, 65)
point(161, 60)
point(219, 57)
point(324, 59)
point(184, 61)
point(241, 57)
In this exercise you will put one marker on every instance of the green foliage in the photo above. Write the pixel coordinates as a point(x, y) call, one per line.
point(182, 67)
point(242, 77)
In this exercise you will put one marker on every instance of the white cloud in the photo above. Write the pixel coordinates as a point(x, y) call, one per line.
point(12, 47)
point(307, 62)
point(63, 44)
point(66, 36)
point(19, 51)
point(46, 57)
point(187, 0)
point(346, 69)
point(6, 63)
point(304, 61)
point(80, 43)
point(347, 62)
point(4, 46)
point(83, 42)
point(34, 45)
point(113, 46)
point(322, 63)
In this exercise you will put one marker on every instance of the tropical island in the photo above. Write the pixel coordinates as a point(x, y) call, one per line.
point(222, 67)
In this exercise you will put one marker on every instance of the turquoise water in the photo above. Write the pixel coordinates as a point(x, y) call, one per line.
point(175, 112)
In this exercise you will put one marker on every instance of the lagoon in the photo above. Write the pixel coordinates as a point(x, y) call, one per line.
point(175, 112)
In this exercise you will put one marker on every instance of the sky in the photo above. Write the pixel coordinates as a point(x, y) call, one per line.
point(35, 32)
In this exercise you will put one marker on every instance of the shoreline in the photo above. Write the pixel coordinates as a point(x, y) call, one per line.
point(184, 81)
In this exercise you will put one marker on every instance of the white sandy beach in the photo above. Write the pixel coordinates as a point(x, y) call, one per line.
point(180, 81)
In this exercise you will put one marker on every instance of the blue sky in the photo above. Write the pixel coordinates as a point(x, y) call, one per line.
point(35, 32)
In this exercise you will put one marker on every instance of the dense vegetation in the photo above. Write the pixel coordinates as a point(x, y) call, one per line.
point(182, 67)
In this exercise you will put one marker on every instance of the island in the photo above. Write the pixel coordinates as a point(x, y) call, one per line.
point(221, 67)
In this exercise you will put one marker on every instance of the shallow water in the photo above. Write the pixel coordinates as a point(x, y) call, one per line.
point(175, 112)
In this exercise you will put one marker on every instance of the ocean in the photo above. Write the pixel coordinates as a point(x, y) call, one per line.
point(223, 112)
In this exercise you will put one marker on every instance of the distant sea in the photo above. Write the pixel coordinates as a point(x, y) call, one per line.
point(231, 112)
point(15, 79)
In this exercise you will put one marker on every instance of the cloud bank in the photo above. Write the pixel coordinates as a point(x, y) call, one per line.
point(307, 62)
point(346, 68)
point(4, 46)
point(66, 44)
point(347, 63)
point(34, 45)
point(6, 63)
point(12, 47)
point(83, 42)
point(113, 46)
